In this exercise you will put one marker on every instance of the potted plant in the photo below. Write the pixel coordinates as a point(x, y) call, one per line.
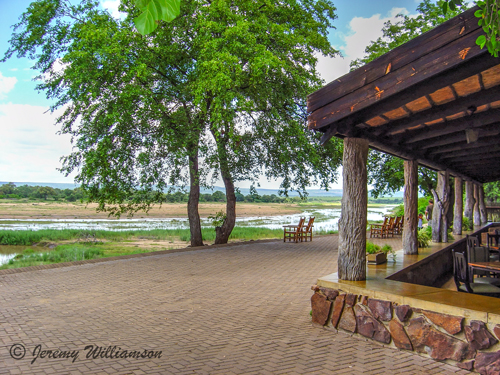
point(376, 254)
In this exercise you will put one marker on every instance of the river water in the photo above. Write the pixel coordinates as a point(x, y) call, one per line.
point(325, 219)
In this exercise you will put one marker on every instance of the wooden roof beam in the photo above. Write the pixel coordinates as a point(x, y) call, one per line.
point(394, 60)
point(429, 131)
point(427, 68)
point(440, 111)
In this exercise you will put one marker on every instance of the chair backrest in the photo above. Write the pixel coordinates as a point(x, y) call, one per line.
point(478, 254)
point(385, 221)
point(396, 222)
point(391, 221)
point(460, 268)
point(472, 241)
point(301, 223)
point(309, 224)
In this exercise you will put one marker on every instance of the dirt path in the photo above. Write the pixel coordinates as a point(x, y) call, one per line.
point(54, 210)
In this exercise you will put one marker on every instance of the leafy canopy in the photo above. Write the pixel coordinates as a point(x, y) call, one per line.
point(489, 20)
point(223, 85)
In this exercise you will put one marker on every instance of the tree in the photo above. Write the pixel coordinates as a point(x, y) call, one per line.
point(9, 188)
point(385, 171)
point(220, 90)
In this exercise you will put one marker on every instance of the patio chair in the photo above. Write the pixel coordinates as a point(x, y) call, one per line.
point(378, 230)
point(463, 279)
point(292, 232)
point(482, 254)
point(389, 230)
point(306, 231)
point(397, 226)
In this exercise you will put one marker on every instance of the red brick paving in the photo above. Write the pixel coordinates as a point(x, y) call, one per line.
point(237, 309)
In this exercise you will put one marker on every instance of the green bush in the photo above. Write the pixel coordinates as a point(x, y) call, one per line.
point(466, 224)
point(424, 236)
point(371, 248)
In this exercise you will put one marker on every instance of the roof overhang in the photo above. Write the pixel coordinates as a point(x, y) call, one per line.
point(426, 100)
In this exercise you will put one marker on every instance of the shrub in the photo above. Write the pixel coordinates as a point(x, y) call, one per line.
point(466, 223)
point(424, 236)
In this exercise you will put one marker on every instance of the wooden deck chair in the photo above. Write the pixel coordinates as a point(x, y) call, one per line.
point(397, 228)
point(377, 230)
point(292, 232)
point(389, 229)
point(307, 231)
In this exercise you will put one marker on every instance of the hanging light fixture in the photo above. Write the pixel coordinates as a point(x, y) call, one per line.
point(471, 134)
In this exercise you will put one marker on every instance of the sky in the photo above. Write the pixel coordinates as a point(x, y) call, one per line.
point(30, 148)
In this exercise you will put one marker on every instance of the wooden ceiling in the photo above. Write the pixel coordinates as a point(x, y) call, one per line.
point(421, 100)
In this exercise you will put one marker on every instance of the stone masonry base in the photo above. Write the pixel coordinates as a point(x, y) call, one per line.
point(471, 345)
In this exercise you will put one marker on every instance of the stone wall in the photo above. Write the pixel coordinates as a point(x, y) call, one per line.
point(469, 344)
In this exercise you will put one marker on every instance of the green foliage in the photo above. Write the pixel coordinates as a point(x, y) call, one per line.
point(63, 253)
point(386, 175)
point(371, 248)
point(218, 219)
point(489, 19)
point(492, 191)
point(467, 224)
point(154, 11)
point(424, 236)
point(218, 91)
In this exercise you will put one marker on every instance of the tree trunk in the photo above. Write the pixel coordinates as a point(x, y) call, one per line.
point(482, 206)
point(194, 198)
point(459, 206)
point(441, 205)
point(410, 242)
point(223, 232)
point(352, 222)
point(477, 215)
point(469, 201)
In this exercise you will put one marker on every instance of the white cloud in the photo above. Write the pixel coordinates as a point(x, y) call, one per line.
point(362, 32)
point(14, 70)
point(30, 147)
point(112, 7)
point(6, 85)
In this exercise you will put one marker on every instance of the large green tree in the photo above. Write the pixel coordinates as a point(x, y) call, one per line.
point(218, 91)
point(385, 172)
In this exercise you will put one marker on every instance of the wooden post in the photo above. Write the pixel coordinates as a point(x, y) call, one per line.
point(482, 206)
point(410, 242)
point(352, 222)
point(459, 207)
point(469, 201)
point(477, 215)
point(441, 204)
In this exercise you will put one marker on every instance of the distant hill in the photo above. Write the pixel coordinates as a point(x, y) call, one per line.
point(244, 191)
point(55, 185)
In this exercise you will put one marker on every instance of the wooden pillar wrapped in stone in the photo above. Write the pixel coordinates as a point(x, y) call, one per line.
point(482, 206)
point(459, 207)
point(441, 204)
point(352, 222)
point(410, 242)
point(477, 215)
point(469, 201)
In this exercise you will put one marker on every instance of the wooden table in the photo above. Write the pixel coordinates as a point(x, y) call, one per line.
point(486, 266)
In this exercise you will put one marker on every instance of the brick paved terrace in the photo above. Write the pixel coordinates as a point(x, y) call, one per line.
point(236, 309)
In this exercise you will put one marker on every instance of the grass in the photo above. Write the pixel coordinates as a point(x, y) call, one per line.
point(27, 237)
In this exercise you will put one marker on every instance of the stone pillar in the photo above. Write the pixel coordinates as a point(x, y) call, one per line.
point(477, 215)
point(482, 206)
point(469, 201)
point(441, 204)
point(352, 222)
point(410, 228)
point(459, 207)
